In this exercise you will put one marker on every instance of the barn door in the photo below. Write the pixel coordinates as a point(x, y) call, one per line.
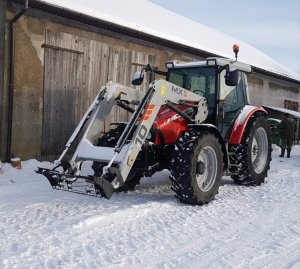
point(75, 69)
point(64, 90)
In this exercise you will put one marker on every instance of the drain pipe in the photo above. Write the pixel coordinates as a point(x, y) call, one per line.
point(11, 80)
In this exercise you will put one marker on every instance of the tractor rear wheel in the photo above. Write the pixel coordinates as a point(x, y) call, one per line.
point(254, 153)
point(197, 167)
point(110, 139)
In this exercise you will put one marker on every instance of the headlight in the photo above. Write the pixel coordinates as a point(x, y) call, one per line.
point(169, 65)
point(211, 62)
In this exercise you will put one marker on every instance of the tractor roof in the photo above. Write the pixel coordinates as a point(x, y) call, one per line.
point(212, 61)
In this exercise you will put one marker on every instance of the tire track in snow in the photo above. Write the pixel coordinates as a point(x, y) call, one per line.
point(63, 221)
point(177, 217)
point(232, 249)
point(285, 248)
point(207, 257)
point(148, 228)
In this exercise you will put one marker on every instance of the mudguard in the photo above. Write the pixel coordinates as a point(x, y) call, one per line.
point(241, 122)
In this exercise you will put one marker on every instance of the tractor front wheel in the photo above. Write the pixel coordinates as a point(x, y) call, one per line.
point(197, 166)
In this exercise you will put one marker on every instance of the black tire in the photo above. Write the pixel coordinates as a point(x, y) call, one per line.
point(253, 155)
point(195, 153)
point(110, 139)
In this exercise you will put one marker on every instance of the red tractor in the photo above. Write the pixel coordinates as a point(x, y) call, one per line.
point(197, 123)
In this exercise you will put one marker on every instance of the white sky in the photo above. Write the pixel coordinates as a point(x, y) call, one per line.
point(272, 26)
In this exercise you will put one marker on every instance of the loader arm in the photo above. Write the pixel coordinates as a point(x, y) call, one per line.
point(123, 156)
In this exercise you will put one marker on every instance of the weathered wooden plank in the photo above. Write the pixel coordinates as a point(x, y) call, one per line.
point(118, 71)
point(97, 69)
point(61, 95)
point(61, 48)
point(138, 61)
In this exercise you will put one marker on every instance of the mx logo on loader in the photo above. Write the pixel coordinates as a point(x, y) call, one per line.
point(179, 91)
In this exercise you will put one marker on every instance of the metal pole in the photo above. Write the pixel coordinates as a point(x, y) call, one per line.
point(11, 80)
point(2, 63)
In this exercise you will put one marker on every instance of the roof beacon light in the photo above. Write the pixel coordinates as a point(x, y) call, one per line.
point(236, 49)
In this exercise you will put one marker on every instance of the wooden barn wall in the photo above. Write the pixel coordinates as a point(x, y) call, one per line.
point(271, 92)
point(59, 69)
point(75, 69)
point(58, 72)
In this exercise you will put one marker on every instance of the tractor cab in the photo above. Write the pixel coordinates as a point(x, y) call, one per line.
point(221, 81)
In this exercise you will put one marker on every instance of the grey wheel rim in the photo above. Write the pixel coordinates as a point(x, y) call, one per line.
point(207, 173)
point(259, 150)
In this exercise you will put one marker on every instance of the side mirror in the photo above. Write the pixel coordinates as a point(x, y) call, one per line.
point(232, 77)
point(137, 78)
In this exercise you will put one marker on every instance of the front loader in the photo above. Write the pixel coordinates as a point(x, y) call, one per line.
point(198, 124)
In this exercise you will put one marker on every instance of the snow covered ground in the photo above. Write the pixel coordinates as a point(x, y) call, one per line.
point(244, 227)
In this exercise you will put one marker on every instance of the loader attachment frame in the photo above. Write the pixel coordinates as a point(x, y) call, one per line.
point(161, 92)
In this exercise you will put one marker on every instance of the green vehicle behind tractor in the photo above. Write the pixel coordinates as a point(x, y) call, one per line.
point(275, 136)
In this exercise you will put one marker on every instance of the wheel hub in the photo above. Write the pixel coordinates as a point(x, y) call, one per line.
point(254, 151)
point(206, 168)
point(200, 168)
point(259, 150)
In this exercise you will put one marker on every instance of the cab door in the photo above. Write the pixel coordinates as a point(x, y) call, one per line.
point(231, 100)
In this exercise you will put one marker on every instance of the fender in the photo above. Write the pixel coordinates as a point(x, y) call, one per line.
point(212, 128)
point(241, 122)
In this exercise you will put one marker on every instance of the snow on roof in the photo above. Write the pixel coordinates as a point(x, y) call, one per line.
point(149, 18)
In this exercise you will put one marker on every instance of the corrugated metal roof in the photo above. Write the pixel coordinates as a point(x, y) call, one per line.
point(293, 113)
point(146, 17)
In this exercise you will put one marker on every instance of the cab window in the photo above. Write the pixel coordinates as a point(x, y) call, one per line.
point(232, 96)
point(200, 80)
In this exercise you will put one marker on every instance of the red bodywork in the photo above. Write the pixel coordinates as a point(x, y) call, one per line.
point(170, 125)
point(241, 122)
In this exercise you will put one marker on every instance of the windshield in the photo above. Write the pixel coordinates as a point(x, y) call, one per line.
point(200, 80)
